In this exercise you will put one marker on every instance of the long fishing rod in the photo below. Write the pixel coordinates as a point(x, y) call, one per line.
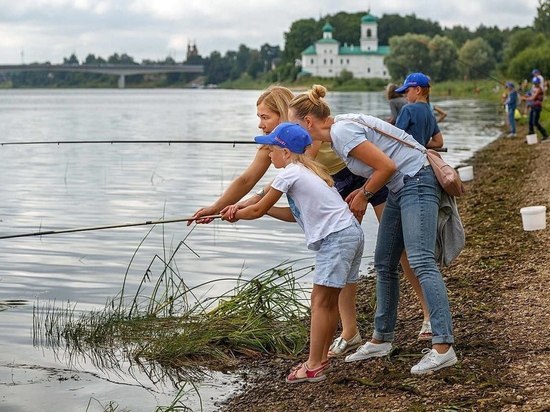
point(169, 142)
point(113, 226)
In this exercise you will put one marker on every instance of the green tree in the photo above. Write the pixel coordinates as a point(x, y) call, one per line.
point(542, 21)
point(476, 58)
point(522, 64)
point(495, 37)
point(517, 42)
point(395, 25)
point(409, 53)
point(301, 35)
point(443, 56)
point(459, 35)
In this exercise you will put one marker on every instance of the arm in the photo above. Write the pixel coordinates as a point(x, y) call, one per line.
point(240, 186)
point(256, 210)
point(281, 213)
point(442, 114)
point(383, 167)
point(435, 142)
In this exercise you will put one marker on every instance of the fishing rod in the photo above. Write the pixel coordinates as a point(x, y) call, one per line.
point(113, 226)
point(169, 142)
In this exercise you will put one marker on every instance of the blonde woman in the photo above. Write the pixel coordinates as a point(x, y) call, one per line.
point(409, 220)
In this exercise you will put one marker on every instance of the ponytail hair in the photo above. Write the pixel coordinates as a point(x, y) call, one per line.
point(315, 167)
point(311, 102)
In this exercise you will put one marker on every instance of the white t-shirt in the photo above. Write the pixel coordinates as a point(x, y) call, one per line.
point(317, 207)
point(346, 135)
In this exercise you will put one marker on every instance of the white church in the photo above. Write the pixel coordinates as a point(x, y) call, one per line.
point(327, 58)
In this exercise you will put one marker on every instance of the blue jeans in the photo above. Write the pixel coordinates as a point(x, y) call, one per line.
point(410, 221)
point(512, 119)
point(534, 121)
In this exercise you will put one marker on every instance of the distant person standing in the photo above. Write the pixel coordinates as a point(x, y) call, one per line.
point(537, 73)
point(535, 101)
point(511, 103)
point(396, 101)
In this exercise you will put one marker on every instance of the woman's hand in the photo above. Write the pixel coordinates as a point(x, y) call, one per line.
point(203, 211)
point(357, 203)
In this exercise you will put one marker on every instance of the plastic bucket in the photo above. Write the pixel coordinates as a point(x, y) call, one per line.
point(533, 217)
point(466, 173)
point(531, 139)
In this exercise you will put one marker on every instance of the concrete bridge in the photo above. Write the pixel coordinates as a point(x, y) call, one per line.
point(120, 70)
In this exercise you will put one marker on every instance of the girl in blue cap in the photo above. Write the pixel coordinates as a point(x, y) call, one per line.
point(409, 220)
point(330, 229)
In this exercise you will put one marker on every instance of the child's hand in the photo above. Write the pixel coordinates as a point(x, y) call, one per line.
point(229, 212)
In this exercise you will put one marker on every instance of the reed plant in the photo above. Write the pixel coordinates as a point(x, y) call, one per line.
point(165, 322)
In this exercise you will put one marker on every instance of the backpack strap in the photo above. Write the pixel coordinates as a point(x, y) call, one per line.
point(383, 133)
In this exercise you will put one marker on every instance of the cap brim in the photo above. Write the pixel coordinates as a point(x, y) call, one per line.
point(267, 139)
point(401, 89)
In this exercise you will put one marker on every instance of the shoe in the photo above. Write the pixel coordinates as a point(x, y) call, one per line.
point(544, 139)
point(433, 361)
point(340, 346)
point(511, 135)
point(370, 350)
point(312, 375)
point(425, 331)
point(324, 364)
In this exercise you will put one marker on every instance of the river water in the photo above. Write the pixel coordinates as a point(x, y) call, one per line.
point(53, 187)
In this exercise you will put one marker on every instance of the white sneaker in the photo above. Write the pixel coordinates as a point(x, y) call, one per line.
point(370, 350)
point(340, 346)
point(433, 361)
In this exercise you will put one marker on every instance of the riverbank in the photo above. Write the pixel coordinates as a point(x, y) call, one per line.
point(500, 304)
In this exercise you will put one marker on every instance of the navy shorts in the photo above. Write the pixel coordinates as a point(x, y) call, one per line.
point(346, 182)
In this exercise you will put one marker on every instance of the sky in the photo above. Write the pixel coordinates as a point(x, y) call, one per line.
point(49, 30)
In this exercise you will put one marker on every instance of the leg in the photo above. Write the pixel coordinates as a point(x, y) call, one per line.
point(419, 208)
point(531, 121)
point(415, 283)
point(409, 274)
point(348, 314)
point(389, 246)
point(536, 122)
point(512, 120)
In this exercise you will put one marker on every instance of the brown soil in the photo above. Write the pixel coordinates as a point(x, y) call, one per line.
point(500, 300)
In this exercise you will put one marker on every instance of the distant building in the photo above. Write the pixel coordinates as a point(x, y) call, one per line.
point(327, 58)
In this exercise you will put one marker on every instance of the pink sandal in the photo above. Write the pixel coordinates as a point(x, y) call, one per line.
point(312, 375)
point(325, 364)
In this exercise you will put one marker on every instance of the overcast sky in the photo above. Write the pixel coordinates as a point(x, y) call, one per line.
point(48, 30)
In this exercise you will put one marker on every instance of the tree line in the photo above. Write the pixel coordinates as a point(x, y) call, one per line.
point(415, 45)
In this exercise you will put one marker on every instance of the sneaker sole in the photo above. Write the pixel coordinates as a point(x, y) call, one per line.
point(361, 357)
point(450, 362)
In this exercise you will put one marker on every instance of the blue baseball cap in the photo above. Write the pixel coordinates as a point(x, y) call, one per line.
point(414, 80)
point(287, 135)
point(536, 80)
point(510, 85)
point(535, 71)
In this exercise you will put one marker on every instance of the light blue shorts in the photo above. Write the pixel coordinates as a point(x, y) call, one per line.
point(339, 257)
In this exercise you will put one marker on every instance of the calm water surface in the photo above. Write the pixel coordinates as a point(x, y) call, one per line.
point(63, 186)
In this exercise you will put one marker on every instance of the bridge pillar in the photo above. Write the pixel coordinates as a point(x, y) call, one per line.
point(121, 81)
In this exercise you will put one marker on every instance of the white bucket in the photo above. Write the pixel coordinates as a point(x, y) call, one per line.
point(531, 139)
point(533, 217)
point(466, 173)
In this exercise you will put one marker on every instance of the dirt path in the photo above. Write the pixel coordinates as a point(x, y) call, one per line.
point(500, 300)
